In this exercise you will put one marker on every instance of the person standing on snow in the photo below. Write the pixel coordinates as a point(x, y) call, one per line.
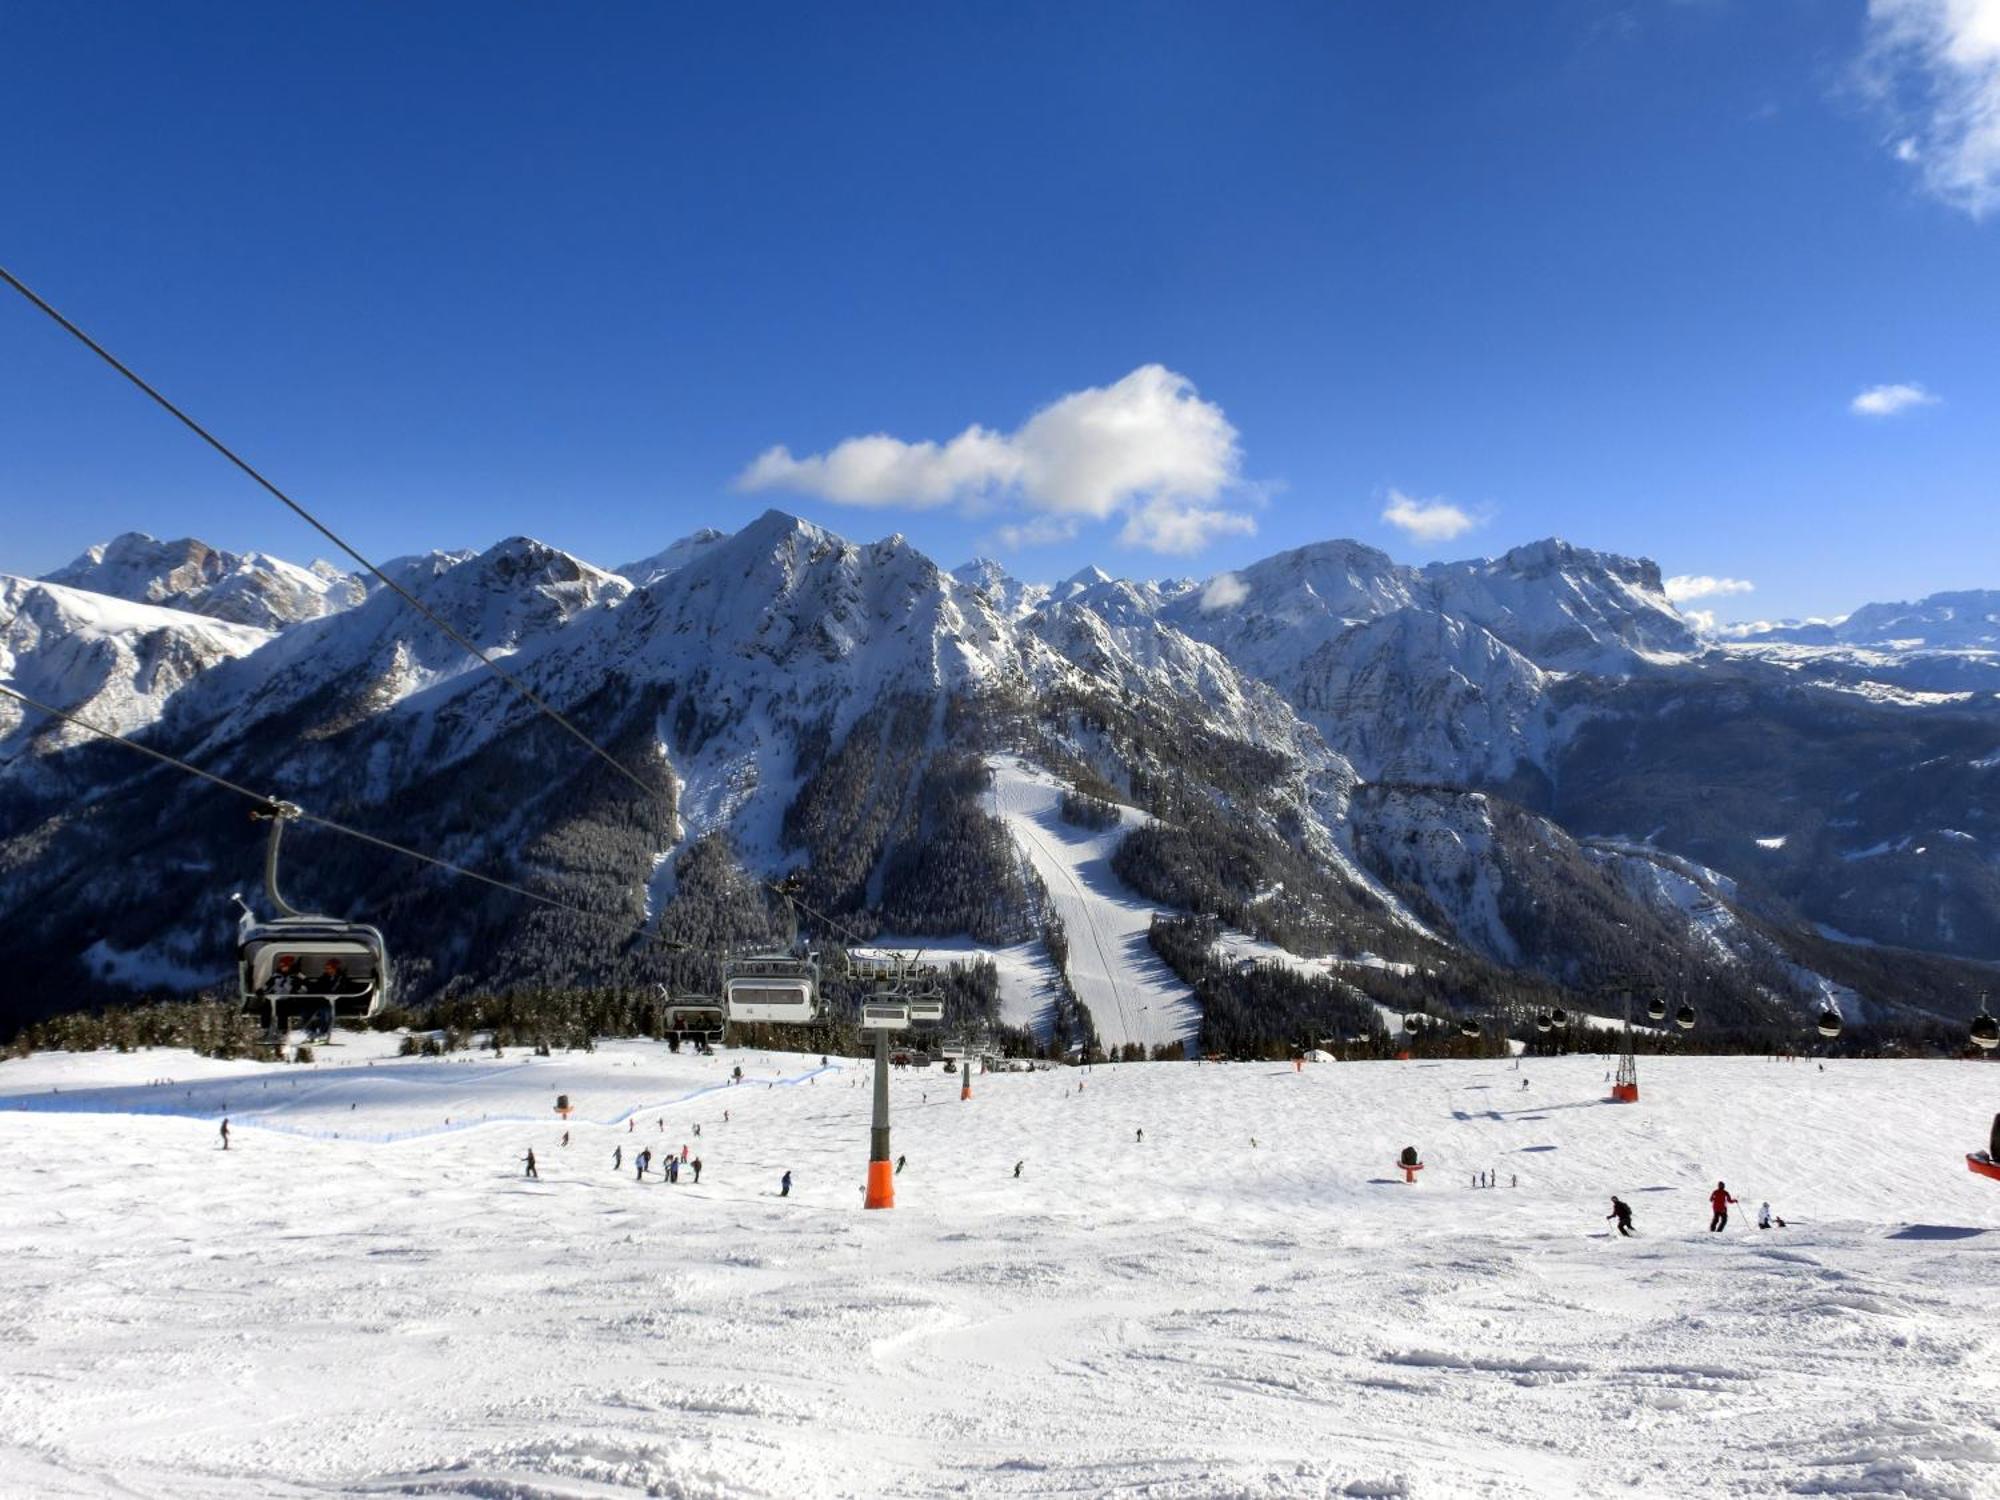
point(225, 1135)
point(530, 1160)
point(785, 1185)
point(1622, 1212)
point(618, 1158)
point(696, 1164)
point(1017, 1168)
point(1719, 1201)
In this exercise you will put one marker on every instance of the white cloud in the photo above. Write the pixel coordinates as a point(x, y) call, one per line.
point(1224, 591)
point(1887, 400)
point(1037, 531)
point(1426, 520)
point(1935, 65)
point(1146, 448)
point(1684, 587)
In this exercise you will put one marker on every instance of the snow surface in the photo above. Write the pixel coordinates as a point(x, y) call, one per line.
point(1132, 996)
point(363, 1299)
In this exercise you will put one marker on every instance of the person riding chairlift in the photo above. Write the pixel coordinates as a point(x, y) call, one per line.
point(286, 977)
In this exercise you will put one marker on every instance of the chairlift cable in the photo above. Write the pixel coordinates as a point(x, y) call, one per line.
point(326, 531)
point(409, 598)
point(263, 799)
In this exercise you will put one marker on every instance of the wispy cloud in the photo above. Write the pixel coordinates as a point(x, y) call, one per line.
point(1685, 587)
point(1145, 449)
point(1223, 591)
point(1887, 400)
point(1934, 65)
point(1427, 520)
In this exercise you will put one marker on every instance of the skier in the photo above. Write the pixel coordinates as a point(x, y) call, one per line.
point(1017, 1168)
point(785, 1185)
point(629, 1124)
point(697, 1130)
point(530, 1160)
point(565, 1137)
point(899, 1164)
point(684, 1150)
point(1524, 1083)
point(1140, 1137)
point(696, 1164)
point(1622, 1212)
point(618, 1158)
point(1719, 1200)
point(225, 1135)
point(639, 1166)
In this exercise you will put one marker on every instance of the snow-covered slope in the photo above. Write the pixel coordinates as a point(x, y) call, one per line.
point(364, 1296)
point(247, 589)
point(1131, 995)
point(113, 662)
point(648, 570)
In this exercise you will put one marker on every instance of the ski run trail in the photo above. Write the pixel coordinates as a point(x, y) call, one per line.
point(1132, 996)
point(364, 1296)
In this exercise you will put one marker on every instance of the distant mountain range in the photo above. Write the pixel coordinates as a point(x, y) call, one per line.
point(1520, 771)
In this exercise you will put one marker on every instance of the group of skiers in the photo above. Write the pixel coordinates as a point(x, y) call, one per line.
point(1719, 1203)
point(670, 1169)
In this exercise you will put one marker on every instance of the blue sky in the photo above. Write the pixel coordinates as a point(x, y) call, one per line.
point(1208, 281)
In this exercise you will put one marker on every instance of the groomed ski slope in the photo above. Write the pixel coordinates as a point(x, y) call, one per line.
point(1131, 995)
point(363, 1299)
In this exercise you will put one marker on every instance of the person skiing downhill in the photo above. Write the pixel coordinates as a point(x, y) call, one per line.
point(617, 1158)
point(1719, 1200)
point(530, 1160)
point(1622, 1212)
point(1017, 1168)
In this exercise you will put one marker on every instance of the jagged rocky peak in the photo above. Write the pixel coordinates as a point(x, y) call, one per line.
point(1566, 607)
point(244, 588)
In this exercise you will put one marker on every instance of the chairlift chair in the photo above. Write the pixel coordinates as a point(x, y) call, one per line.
point(926, 1008)
point(1985, 1032)
point(1559, 1017)
point(779, 987)
point(1544, 1022)
point(299, 965)
point(1656, 1008)
point(1684, 1018)
point(885, 1014)
point(1829, 1023)
point(696, 1017)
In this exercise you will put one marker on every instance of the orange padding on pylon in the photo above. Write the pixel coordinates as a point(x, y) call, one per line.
point(881, 1185)
point(1624, 1093)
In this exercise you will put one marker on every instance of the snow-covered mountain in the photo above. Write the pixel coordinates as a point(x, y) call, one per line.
point(246, 589)
point(1478, 768)
point(110, 661)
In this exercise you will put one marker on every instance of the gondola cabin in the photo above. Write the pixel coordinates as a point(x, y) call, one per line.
point(771, 987)
point(301, 968)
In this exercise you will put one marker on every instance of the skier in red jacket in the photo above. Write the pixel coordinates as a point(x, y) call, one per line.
point(1719, 1200)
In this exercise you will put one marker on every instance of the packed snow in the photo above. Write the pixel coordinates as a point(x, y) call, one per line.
point(1132, 996)
point(365, 1296)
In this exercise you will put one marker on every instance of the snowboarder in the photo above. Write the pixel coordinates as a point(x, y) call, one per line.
point(225, 1135)
point(530, 1160)
point(899, 1164)
point(696, 1164)
point(618, 1158)
point(1622, 1212)
point(785, 1185)
point(1017, 1168)
point(1719, 1201)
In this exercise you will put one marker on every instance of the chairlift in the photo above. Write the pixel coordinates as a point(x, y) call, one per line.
point(885, 1014)
point(1985, 1032)
point(1468, 1028)
point(1559, 1017)
point(697, 1017)
point(300, 965)
point(780, 987)
point(1544, 1022)
point(1656, 1008)
point(1414, 1020)
point(1684, 1018)
point(926, 1008)
point(1829, 1023)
